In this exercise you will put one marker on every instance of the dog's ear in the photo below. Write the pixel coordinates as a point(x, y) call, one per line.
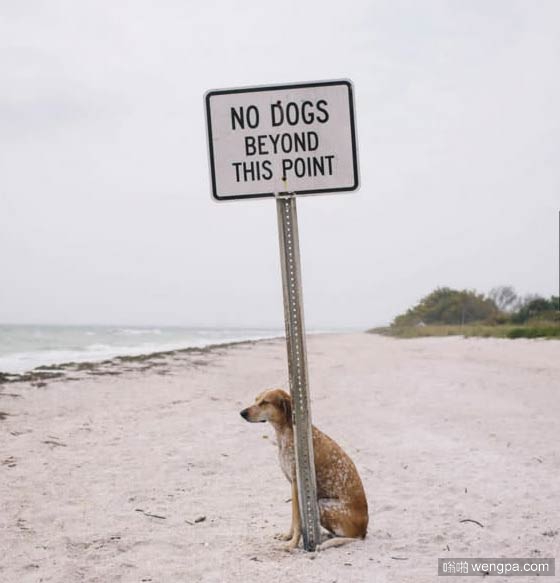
point(286, 405)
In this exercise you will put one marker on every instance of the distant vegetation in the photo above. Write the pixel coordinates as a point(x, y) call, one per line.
point(500, 313)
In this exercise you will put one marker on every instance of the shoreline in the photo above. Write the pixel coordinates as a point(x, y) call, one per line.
point(106, 367)
point(25, 348)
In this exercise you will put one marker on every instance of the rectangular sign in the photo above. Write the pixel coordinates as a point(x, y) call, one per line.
point(272, 140)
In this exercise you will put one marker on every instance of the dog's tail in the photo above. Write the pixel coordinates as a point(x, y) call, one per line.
point(335, 542)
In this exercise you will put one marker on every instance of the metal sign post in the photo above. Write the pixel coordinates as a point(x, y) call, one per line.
point(297, 366)
point(264, 142)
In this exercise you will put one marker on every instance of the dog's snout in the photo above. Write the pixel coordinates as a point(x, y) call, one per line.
point(244, 413)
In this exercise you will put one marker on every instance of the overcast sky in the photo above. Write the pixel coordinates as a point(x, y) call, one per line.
point(105, 208)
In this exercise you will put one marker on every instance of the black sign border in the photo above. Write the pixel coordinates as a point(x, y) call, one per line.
point(212, 93)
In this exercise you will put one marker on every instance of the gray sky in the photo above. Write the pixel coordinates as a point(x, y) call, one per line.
point(105, 208)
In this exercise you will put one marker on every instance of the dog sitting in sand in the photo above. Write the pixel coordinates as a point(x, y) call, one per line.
point(340, 494)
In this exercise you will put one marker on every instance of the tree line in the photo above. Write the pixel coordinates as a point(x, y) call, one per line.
point(502, 305)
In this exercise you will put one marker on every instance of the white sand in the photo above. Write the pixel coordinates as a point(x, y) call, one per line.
point(440, 429)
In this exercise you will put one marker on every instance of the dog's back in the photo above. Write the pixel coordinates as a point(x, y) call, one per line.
point(340, 492)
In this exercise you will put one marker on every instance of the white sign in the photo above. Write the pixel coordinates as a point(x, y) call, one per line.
point(271, 140)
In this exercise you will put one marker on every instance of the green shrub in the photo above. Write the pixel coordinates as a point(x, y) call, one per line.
point(449, 306)
point(535, 332)
point(537, 307)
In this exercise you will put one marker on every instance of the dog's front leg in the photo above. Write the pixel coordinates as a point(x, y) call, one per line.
point(295, 530)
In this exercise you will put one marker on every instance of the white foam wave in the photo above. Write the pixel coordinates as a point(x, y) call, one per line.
point(23, 361)
point(138, 331)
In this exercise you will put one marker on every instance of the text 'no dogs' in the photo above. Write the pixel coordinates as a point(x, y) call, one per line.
point(269, 140)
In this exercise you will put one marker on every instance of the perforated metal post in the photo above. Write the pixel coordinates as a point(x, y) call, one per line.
point(297, 366)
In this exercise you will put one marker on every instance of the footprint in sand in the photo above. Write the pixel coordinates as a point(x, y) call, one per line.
point(10, 462)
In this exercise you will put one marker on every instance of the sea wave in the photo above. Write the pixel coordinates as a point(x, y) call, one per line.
point(138, 331)
point(106, 347)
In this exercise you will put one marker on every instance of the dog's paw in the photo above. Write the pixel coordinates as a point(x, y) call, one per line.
point(292, 545)
point(283, 536)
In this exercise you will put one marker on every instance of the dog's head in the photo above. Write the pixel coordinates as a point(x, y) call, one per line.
point(274, 406)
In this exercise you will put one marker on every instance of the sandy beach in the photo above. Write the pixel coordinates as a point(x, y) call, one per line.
point(143, 470)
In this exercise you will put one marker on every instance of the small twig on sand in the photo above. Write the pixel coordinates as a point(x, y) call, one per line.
point(400, 558)
point(473, 521)
point(197, 520)
point(55, 443)
point(149, 514)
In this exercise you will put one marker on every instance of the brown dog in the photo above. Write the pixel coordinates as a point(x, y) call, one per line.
point(340, 494)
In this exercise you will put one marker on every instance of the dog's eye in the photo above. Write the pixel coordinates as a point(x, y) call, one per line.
point(265, 402)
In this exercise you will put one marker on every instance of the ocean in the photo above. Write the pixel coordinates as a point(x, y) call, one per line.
point(23, 348)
